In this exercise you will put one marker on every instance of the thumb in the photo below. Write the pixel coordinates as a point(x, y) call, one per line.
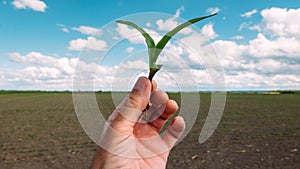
point(174, 132)
point(140, 94)
point(134, 103)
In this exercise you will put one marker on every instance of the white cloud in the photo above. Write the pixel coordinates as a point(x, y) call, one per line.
point(230, 52)
point(213, 10)
point(208, 31)
point(136, 64)
point(179, 11)
point(255, 27)
point(77, 44)
point(133, 35)
point(39, 71)
point(87, 30)
point(249, 14)
point(171, 23)
point(148, 24)
point(166, 25)
point(129, 49)
point(36, 5)
point(267, 61)
point(243, 25)
point(171, 56)
point(250, 26)
point(36, 58)
point(263, 47)
point(192, 42)
point(4, 2)
point(32, 57)
point(253, 81)
point(91, 43)
point(238, 37)
point(268, 65)
point(278, 34)
point(63, 28)
point(281, 22)
point(194, 38)
point(272, 66)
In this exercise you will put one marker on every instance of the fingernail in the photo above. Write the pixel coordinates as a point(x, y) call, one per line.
point(141, 84)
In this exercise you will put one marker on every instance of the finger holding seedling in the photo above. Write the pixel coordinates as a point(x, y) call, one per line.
point(162, 113)
point(157, 104)
point(132, 136)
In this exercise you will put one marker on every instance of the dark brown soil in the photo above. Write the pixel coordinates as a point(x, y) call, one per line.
point(40, 130)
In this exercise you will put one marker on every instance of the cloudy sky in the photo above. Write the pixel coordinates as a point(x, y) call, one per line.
point(43, 43)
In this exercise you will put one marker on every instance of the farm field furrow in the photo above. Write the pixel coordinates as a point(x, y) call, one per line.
point(41, 130)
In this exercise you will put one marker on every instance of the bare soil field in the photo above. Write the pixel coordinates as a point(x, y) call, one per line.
point(41, 131)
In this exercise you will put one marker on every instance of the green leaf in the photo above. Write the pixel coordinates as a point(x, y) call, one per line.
point(162, 43)
point(153, 68)
point(149, 41)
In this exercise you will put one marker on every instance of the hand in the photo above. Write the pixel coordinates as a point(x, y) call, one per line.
point(131, 140)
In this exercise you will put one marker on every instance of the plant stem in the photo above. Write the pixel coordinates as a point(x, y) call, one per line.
point(152, 72)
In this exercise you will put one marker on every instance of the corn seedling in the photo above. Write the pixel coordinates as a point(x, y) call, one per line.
point(155, 49)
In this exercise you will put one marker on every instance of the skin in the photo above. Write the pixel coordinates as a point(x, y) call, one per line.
point(137, 144)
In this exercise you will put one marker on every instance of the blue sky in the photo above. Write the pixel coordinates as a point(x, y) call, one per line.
point(257, 42)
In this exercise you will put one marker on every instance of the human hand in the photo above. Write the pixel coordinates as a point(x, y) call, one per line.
point(132, 141)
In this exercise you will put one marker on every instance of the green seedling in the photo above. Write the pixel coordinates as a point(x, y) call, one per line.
point(155, 49)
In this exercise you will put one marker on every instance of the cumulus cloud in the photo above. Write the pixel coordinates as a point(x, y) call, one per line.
point(271, 66)
point(254, 81)
point(42, 72)
point(134, 36)
point(63, 28)
point(131, 34)
point(77, 44)
point(35, 58)
point(264, 47)
point(136, 64)
point(255, 27)
point(171, 23)
point(179, 11)
point(281, 22)
point(172, 56)
point(278, 35)
point(260, 56)
point(249, 14)
point(88, 30)
point(230, 54)
point(36, 5)
point(213, 10)
point(208, 31)
point(91, 43)
point(268, 61)
point(238, 37)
